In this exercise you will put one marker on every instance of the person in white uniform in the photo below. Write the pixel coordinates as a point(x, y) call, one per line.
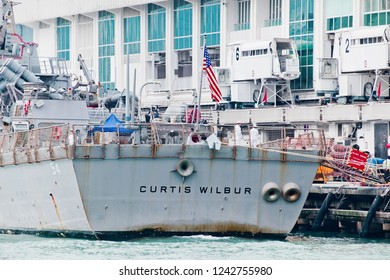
point(254, 135)
point(237, 133)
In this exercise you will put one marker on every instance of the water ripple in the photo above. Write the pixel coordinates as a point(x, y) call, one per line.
point(199, 247)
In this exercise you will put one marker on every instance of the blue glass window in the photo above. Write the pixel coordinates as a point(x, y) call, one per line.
point(210, 20)
point(301, 30)
point(376, 12)
point(244, 15)
point(25, 32)
point(63, 38)
point(132, 35)
point(156, 28)
point(106, 28)
point(182, 25)
point(339, 14)
point(275, 15)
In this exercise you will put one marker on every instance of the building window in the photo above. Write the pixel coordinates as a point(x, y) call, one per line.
point(25, 32)
point(376, 12)
point(161, 71)
point(132, 35)
point(184, 62)
point(182, 25)
point(63, 38)
point(156, 28)
point(301, 30)
point(244, 15)
point(339, 14)
point(84, 40)
point(339, 22)
point(275, 13)
point(215, 56)
point(210, 20)
point(106, 28)
point(256, 52)
point(366, 41)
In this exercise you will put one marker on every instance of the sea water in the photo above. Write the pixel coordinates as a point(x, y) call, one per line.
point(197, 247)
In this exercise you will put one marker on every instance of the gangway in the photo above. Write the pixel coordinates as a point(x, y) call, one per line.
point(260, 70)
point(362, 53)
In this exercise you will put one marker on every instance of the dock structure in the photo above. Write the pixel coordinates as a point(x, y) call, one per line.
point(347, 208)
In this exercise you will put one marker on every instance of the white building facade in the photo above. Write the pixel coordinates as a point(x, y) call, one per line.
point(164, 39)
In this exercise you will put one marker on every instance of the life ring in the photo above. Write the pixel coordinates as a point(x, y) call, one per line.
point(185, 167)
point(271, 192)
point(291, 192)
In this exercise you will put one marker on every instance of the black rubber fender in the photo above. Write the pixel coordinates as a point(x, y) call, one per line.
point(323, 210)
point(371, 214)
point(291, 192)
point(185, 167)
point(271, 192)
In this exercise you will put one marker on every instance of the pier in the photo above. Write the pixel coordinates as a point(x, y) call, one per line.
point(346, 208)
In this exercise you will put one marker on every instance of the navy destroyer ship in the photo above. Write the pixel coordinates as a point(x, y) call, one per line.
point(107, 188)
point(62, 174)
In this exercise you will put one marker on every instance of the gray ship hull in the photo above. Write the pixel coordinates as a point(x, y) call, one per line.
point(42, 197)
point(123, 191)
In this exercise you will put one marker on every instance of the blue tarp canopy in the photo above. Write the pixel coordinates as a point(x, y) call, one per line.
point(112, 124)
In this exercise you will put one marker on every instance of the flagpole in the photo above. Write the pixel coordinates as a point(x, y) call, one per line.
point(200, 87)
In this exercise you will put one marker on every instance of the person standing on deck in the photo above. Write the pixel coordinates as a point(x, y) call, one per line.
point(71, 138)
point(237, 133)
point(254, 135)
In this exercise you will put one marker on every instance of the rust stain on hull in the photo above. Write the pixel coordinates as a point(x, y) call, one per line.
point(219, 228)
point(216, 229)
point(56, 208)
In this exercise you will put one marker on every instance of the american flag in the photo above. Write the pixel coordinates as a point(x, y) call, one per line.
point(213, 83)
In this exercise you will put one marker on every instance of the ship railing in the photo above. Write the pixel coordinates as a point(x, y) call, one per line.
point(60, 141)
point(34, 145)
point(53, 65)
point(281, 138)
point(156, 133)
point(96, 115)
point(43, 65)
point(179, 133)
